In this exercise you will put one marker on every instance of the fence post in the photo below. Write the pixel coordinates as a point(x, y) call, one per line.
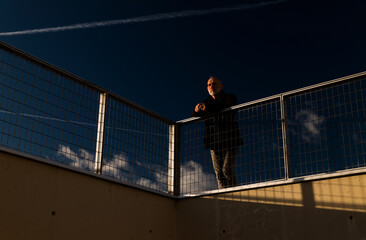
point(284, 137)
point(174, 160)
point(100, 133)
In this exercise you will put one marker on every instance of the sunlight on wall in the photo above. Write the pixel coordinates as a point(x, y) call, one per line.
point(346, 193)
point(288, 195)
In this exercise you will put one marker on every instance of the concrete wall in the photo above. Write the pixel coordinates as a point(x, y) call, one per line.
point(323, 209)
point(39, 201)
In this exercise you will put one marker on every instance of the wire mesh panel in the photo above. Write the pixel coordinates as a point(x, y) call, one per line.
point(45, 114)
point(136, 146)
point(261, 155)
point(327, 128)
point(256, 151)
point(196, 171)
point(48, 113)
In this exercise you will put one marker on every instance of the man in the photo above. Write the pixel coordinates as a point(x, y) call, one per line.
point(222, 135)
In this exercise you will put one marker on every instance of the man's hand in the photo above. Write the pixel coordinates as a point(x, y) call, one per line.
point(200, 107)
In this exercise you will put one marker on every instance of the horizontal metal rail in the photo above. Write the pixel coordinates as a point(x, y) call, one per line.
point(310, 133)
point(285, 94)
point(50, 113)
point(321, 134)
point(74, 77)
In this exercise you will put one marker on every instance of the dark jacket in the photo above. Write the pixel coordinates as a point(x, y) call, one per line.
point(221, 129)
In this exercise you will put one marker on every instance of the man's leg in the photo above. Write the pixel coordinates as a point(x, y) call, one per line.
point(217, 162)
point(228, 167)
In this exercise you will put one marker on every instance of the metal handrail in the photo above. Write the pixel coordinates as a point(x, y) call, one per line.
point(174, 147)
point(285, 94)
point(81, 80)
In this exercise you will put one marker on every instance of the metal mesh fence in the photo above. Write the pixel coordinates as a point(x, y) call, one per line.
point(48, 113)
point(136, 146)
point(45, 114)
point(324, 127)
point(327, 128)
point(259, 156)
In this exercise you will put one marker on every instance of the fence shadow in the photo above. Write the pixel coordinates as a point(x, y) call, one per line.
point(325, 209)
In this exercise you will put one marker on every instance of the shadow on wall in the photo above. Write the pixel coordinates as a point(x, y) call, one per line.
point(327, 209)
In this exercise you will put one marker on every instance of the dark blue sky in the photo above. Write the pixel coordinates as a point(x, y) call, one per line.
point(164, 65)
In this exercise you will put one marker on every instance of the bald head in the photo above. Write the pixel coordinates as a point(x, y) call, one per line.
point(214, 86)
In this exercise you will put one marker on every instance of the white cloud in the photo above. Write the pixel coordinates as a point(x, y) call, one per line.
point(311, 123)
point(194, 179)
point(147, 183)
point(81, 159)
point(118, 167)
point(86, 160)
point(159, 182)
point(161, 177)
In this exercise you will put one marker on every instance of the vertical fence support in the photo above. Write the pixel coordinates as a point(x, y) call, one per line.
point(100, 133)
point(284, 137)
point(174, 160)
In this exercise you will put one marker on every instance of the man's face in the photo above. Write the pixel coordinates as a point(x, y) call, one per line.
point(214, 86)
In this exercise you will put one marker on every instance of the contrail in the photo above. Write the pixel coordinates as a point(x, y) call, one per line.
point(148, 18)
point(76, 122)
